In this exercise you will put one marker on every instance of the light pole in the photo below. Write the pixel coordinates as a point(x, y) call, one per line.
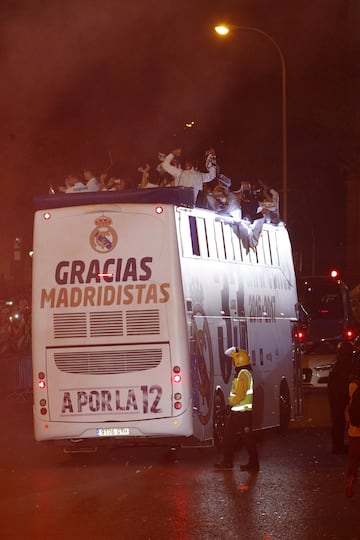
point(224, 30)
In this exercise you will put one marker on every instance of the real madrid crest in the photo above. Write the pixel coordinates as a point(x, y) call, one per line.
point(103, 238)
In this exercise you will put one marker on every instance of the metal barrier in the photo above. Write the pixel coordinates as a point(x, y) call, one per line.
point(16, 374)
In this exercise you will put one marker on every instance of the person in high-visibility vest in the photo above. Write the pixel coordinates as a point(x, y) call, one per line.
point(240, 405)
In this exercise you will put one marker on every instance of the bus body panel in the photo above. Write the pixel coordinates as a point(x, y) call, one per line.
point(236, 303)
point(127, 433)
point(117, 322)
point(89, 395)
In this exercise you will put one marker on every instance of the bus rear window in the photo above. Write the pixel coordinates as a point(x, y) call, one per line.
point(322, 303)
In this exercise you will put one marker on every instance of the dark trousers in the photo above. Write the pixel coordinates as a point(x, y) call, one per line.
point(338, 426)
point(354, 456)
point(239, 422)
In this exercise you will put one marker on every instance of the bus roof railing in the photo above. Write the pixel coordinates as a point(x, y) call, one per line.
point(177, 196)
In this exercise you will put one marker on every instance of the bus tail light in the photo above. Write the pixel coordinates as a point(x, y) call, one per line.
point(41, 384)
point(41, 380)
point(177, 375)
point(177, 395)
point(299, 334)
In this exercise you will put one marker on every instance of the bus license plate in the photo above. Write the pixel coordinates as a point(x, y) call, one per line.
point(112, 432)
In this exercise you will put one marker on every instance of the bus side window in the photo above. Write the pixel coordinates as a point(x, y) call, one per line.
point(186, 245)
point(251, 256)
point(266, 247)
point(260, 250)
point(210, 238)
point(237, 243)
point(229, 248)
point(202, 238)
point(219, 240)
point(273, 248)
point(194, 236)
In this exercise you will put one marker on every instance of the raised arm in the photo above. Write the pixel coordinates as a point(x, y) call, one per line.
point(171, 169)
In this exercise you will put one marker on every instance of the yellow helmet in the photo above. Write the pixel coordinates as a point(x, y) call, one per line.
point(240, 357)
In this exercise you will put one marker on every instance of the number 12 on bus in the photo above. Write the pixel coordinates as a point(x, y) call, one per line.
point(136, 297)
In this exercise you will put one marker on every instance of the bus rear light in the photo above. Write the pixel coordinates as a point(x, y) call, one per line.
point(43, 411)
point(299, 334)
point(41, 384)
point(177, 396)
point(177, 405)
point(42, 402)
point(177, 376)
point(159, 210)
point(46, 216)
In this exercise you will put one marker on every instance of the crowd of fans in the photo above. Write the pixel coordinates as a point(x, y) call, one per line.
point(212, 189)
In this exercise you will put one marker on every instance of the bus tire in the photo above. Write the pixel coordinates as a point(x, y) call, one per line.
point(219, 419)
point(284, 406)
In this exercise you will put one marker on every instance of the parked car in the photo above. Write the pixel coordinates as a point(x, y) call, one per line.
point(317, 361)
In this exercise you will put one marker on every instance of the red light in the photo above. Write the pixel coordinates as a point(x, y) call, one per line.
point(324, 311)
point(177, 378)
point(300, 335)
point(177, 405)
point(159, 210)
point(41, 384)
point(43, 411)
point(46, 216)
point(349, 334)
point(334, 273)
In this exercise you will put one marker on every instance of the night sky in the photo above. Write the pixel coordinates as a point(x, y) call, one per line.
point(85, 78)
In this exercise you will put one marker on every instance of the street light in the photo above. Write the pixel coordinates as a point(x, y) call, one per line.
point(223, 30)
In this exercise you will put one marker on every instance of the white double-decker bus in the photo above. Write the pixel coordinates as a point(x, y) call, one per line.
point(136, 295)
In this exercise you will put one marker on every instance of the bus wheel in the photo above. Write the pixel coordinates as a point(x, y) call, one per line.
point(219, 419)
point(284, 405)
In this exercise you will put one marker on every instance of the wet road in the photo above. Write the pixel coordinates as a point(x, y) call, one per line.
point(149, 494)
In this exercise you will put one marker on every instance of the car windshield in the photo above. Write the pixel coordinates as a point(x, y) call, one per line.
point(322, 300)
point(323, 347)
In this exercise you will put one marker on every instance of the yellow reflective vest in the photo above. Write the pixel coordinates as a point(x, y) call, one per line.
point(241, 393)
